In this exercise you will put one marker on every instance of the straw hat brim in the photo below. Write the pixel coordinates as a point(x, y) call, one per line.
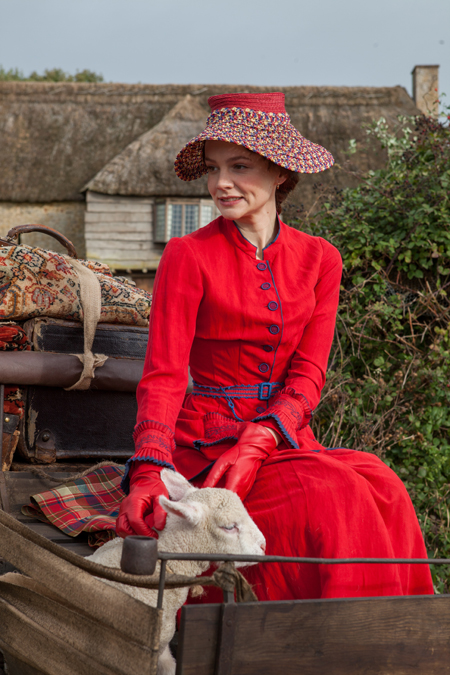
point(280, 142)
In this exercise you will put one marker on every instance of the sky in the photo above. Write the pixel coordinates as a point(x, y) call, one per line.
point(265, 42)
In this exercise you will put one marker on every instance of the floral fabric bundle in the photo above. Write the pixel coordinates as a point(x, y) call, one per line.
point(35, 282)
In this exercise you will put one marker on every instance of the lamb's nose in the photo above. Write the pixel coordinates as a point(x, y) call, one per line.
point(263, 546)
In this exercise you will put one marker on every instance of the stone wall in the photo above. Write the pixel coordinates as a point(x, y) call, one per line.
point(66, 217)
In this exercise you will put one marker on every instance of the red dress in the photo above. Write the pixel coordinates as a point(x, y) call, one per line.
point(257, 336)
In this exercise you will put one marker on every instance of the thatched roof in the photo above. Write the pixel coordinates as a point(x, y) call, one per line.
point(145, 167)
point(55, 137)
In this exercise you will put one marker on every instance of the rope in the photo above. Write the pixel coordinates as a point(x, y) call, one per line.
point(53, 479)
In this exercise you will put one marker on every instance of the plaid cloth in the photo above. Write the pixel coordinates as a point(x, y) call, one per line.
point(89, 504)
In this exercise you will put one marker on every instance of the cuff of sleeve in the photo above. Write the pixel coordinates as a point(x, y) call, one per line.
point(289, 413)
point(154, 442)
point(125, 482)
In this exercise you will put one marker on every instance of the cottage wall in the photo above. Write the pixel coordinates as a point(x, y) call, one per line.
point(119, 231)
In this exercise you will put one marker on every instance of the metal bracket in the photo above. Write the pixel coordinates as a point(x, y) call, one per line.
point(10, 423)
point(45, 447)
point(225, 642)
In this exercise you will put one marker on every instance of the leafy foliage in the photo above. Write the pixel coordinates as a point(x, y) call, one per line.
point(388, 389)
point(50, 75)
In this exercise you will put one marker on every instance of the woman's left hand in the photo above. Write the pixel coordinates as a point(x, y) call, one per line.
point(241, 462)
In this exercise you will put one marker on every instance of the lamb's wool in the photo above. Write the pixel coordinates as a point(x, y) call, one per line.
point(210, 520)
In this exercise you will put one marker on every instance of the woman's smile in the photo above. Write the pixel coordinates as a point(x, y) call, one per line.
point(229, 201)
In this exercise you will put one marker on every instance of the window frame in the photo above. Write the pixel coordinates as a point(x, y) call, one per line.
point(201, 203)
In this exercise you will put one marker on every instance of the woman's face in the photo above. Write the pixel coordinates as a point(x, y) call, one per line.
point(241, 183)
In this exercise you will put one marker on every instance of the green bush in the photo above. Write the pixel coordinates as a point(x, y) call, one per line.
point(388, 388)
point(50, 75)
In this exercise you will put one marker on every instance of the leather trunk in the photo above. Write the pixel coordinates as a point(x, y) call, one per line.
point(72, 425)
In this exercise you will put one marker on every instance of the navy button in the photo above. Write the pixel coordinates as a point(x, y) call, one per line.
point(261, 266)
point(266, 286)
point(260, 409)
point(272, 306)
point(268, 348)
point(263, 367)
point(274, 329)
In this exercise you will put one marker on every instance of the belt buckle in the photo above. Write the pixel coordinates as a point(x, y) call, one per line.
point(265, 395)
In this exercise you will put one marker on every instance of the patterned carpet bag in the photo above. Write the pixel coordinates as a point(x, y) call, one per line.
point(36, 282)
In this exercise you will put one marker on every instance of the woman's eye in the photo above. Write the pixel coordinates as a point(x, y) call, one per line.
point(210, 169)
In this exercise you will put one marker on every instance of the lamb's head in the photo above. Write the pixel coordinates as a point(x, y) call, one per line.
point(207, 520)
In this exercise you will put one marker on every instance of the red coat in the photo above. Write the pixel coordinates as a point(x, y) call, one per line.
point(236, 321)
point(257, 335)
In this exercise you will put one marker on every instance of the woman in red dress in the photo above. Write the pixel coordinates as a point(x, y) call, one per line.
point(249, 304)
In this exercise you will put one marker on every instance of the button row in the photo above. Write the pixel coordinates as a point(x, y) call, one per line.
point(273, 329)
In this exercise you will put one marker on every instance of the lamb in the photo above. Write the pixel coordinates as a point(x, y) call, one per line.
point(209, 520)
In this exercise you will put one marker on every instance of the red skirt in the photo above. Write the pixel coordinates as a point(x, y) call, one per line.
point(330, 504)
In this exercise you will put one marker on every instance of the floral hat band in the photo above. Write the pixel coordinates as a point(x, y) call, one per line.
point(260, 123)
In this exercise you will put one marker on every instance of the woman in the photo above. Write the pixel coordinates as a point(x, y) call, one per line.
point(250, 305)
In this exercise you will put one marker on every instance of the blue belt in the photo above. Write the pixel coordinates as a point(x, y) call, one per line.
point(262, 391)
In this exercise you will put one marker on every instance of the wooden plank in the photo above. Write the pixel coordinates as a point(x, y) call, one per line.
point(4, 497)
point(61, 658)
point(142, 259)
point(364, 636)
point(121, 217)
point(116, 254)
point(113, 237)
point(120, 207)
point(98, 197)
point(142, 245)
point(132, 265)
point(119, 228)
point(102, 646)
point(103, 602)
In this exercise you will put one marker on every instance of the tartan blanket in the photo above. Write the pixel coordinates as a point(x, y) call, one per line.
point(88, 504)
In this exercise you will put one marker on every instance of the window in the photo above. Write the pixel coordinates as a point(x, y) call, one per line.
point(174, 217)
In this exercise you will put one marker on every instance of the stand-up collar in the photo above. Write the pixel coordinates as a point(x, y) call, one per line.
point(236, 238)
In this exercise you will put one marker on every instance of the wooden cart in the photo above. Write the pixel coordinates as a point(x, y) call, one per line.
point(370, 636)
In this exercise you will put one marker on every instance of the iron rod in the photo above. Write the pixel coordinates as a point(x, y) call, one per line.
point(217, 557)
point(162, 580)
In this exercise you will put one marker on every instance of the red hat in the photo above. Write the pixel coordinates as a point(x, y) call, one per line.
point(260, 123)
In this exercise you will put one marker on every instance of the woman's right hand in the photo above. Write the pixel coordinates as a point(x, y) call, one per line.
point(146, 487)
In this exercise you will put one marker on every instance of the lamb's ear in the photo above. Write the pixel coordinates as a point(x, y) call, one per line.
point(176, 484)
point(192, 512)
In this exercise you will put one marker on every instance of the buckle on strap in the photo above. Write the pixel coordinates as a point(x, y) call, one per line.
point(265, 390)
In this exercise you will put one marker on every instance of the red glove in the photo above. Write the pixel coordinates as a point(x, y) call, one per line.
point(242, 461)
point(146, 487)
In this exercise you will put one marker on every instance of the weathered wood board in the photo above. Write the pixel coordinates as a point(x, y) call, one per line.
point(364, 636)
